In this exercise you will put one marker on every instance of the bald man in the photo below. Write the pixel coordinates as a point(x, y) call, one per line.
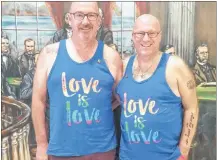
point(158, 99)
point(79, 74)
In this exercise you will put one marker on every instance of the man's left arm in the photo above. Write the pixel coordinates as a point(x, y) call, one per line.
point(115, 66)
point(187, 90)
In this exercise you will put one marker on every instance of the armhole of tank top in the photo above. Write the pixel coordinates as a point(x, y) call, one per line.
point(165, 79)
point(55, 61)
point(126, 69)
point(99, 50)
point(102, 58)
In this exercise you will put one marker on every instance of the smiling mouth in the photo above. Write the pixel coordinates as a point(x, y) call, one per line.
point(146, 45)
point(85, 29)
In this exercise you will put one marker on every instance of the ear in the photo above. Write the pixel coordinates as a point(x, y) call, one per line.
point(99, 22)
point(68, 18)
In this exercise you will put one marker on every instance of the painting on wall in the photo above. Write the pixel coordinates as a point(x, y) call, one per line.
point(29, 26)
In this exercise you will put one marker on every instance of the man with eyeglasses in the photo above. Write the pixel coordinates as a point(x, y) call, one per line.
point(79, 74)
point(158, 99)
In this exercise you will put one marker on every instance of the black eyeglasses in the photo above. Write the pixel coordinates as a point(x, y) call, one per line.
point(80, 16)
point(140, 35)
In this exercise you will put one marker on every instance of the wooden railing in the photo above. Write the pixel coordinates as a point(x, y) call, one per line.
point(15, 130)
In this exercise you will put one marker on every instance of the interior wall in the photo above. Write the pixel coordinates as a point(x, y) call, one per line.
point(159, 10)
point(205, 27)
point(67, 6)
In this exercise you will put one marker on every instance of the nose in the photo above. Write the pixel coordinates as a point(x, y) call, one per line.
point(146, 37)
point(204, 54)
point(85, 20)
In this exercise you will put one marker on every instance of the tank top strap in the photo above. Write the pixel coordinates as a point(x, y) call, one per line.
point(128, 71)
point(162, 66)
point(62, 46)
point(164, 60)
point(99, 50)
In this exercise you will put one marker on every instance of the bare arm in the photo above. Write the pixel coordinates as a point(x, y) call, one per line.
point(115, 66)
point(44, 65)
point(116, 98)
point(187, 91)
point(39, 99)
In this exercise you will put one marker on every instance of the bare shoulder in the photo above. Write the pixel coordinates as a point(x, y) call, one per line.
point(178, 65)
point(110, 54)
point(112, 57)
point(47, 56)
point(179, 70)
point(48, 51)
point(113, 61)
point(52, 49)
point(175, 61)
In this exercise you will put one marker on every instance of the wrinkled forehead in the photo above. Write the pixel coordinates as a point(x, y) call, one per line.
point(84, 7)
point(146, 25)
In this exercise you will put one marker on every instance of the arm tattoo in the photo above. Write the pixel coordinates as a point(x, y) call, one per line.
point(191, 84)
point(190, 126)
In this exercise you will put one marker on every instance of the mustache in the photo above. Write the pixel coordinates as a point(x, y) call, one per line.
point(87, 26)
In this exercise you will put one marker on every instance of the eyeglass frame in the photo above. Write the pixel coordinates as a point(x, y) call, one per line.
point(85, 15)
point(144, 33)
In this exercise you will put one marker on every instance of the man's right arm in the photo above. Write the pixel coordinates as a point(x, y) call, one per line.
point(39, 105)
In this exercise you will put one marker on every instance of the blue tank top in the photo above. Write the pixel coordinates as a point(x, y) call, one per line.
point(151, 117)
point(81, 117)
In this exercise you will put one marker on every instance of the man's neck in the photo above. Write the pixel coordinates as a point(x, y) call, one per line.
point(84, 46)
point(146, 60)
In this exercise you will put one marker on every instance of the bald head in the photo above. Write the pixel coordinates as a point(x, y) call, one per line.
point(77, 5)
point(147, 19)
point(146, 35)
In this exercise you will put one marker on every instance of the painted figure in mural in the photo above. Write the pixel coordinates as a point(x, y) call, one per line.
point(8, 58)
point(203, 70)
point(169, 48)
point(104, 34)
point(64, 33)
point(154, 122)
point(6, 89)
point(126, 54)
point(27, 59)
point(26, 97)
point(80, 84)
point(27, 84)
point(8, 48)
point(114, 46)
